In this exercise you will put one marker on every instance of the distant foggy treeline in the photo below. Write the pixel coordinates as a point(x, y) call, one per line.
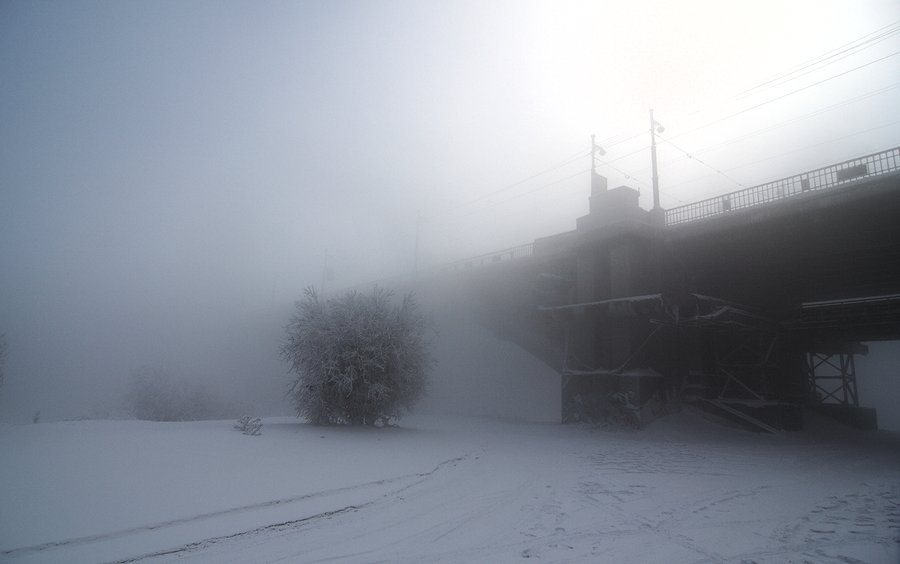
point(155, 395)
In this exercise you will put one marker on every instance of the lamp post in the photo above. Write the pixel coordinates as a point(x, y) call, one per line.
point(657, 214)
point(655, 127)
point(595, 150)
point(598, 183)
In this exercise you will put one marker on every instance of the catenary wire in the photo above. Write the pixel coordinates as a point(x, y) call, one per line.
point(847, 49)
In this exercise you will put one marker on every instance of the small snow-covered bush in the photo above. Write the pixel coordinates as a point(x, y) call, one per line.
point(249, 425)
point(359, 358)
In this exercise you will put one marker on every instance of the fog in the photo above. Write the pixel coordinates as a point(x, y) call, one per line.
point(172, 174)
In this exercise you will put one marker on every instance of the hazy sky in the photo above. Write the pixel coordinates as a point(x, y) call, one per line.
point(172, 173)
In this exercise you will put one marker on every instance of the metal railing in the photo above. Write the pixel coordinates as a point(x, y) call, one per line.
point(833, 176)
point(504, 255)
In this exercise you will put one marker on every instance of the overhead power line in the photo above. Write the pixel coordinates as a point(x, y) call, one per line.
point(567, 161)
point(630, 153)
point(781, 124)
point(623, 139)
point(808, 86)
point(704, 163)
point(625, 174)
point(859, 44)
point(812, 70)
point(792, 151)
point(542, 187)
point(517, 196)
point(832, 56)
point(805, 68)
point(841, 138)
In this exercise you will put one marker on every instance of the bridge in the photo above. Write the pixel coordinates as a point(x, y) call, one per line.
point(749, 304)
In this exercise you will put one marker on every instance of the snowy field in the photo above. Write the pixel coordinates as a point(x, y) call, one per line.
point(446, 490)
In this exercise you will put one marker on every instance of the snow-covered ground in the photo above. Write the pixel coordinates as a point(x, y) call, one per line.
point(447, 490)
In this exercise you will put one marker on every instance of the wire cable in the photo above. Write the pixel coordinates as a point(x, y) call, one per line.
point(808, 86)
point(568, 160)
point(625, 174)
point(778, 125)
point(542, 187)
point(704, 163)
point(846, 50)
point(797, 150)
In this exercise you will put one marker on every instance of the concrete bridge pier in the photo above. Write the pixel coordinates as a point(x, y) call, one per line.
point(615, 252)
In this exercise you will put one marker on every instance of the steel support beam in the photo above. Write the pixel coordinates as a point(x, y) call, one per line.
point(831, 378)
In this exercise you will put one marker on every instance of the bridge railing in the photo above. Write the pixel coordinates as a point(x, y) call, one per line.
point(828, 177)
point(504, 255)
point(832, 176)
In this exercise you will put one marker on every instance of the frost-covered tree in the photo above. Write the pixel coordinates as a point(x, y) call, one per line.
point(359, 358)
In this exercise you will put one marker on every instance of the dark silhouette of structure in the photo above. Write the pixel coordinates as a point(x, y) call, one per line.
point(749, 304)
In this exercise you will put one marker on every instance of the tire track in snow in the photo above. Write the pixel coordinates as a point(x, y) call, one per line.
point(113, 535)
point(414, 527)
point(427, 536)
point(296, 523)
point(422, 528)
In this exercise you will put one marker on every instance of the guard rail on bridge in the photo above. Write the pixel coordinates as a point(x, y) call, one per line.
point(511, 253)
point(829, 177)
point(833, 176)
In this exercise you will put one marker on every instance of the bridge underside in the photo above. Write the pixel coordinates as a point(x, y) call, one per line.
point(751, 313)
point(723, 356)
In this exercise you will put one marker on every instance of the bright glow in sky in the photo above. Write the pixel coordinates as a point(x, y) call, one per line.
point(159, 158)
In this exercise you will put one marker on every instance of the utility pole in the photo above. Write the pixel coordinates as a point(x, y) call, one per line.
point(598, 183)
point(595, 150)
point(653, 126)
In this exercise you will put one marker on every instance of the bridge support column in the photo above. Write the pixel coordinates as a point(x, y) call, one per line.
point(831, 378)
point(831, 385)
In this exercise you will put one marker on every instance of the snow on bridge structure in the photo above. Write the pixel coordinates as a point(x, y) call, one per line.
point(750, 304)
